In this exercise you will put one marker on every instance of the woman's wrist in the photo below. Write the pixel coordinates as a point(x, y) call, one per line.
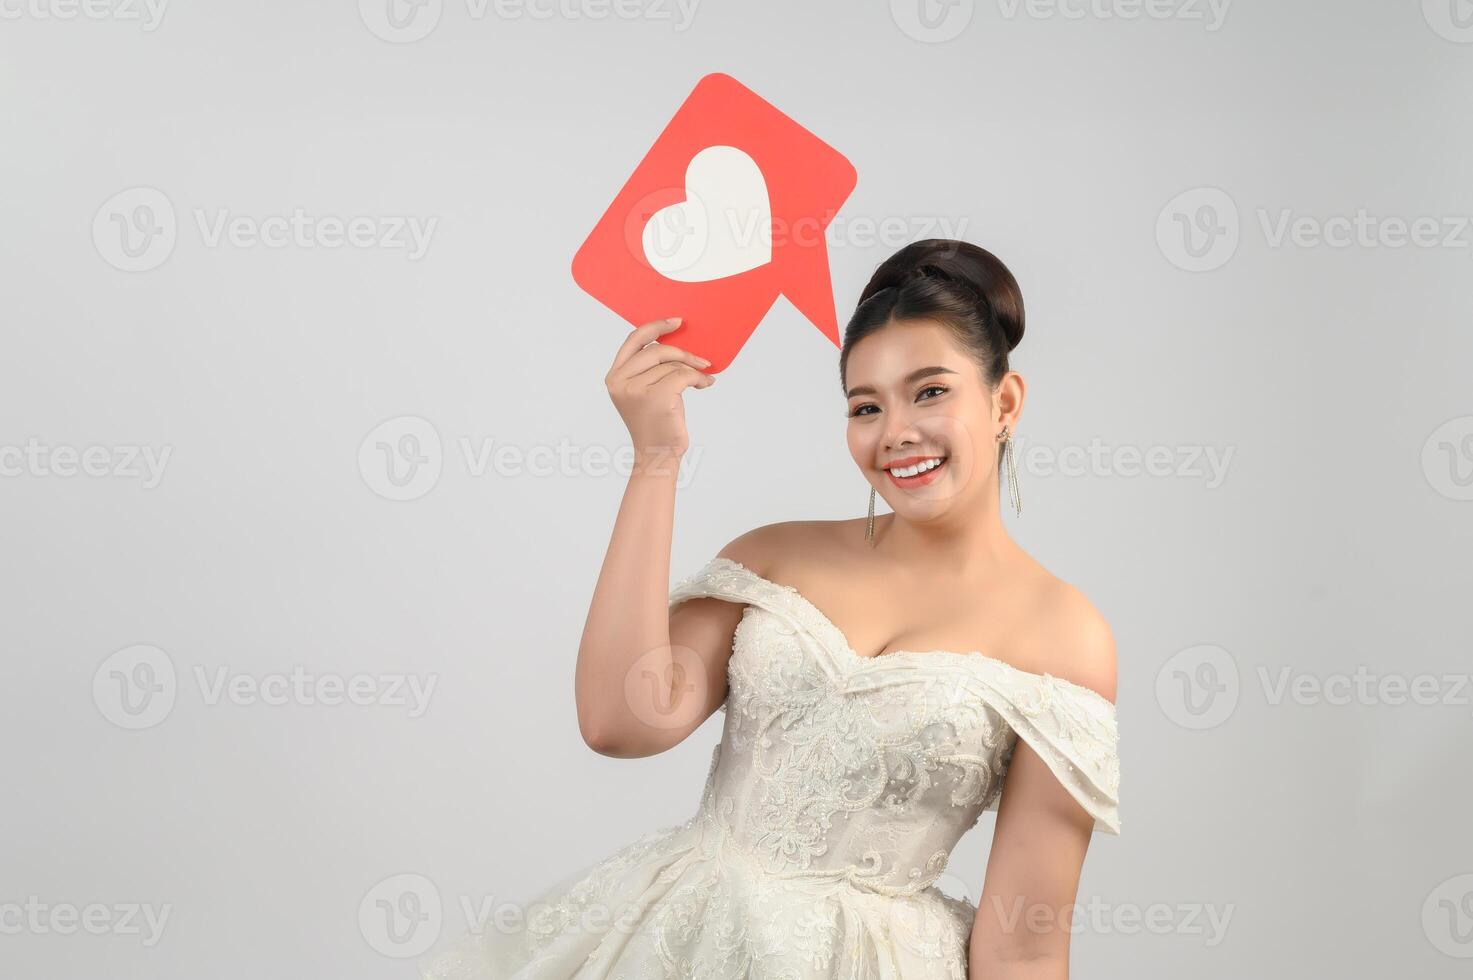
point(656, 461)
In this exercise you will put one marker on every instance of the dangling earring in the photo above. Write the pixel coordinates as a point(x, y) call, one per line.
point(869, 527)
point(1010, 463)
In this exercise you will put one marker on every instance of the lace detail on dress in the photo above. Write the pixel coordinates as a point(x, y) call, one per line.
point(1071, 727)
point(832, 804)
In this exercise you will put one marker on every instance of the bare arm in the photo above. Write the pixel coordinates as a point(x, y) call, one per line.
point(1023, 922)
point(640, 689)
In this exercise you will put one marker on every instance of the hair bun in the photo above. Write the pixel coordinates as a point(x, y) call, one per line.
point(976, 272)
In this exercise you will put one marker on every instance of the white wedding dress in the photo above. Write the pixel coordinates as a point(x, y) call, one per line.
point(840, 787)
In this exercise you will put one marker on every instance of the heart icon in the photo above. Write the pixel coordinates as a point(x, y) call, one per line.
point(715, 234)
point(722, 228)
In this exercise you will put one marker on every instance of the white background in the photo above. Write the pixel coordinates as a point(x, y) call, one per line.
point(1337, 376)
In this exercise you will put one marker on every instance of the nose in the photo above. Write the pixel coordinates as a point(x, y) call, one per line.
point(900, 430)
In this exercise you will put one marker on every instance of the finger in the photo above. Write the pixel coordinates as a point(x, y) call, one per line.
point(640, 336)
point(679, 377)
point(646, 379)
point(656, 354)
point(654, 370)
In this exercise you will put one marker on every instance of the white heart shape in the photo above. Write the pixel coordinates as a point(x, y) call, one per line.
point(722, 228)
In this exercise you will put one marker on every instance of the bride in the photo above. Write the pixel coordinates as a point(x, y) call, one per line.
point(884, 681)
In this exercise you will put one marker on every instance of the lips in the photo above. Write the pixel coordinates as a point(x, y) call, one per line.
point(919, 479)
point(909, 461)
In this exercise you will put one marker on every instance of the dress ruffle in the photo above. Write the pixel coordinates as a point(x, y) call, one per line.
point(683, 902)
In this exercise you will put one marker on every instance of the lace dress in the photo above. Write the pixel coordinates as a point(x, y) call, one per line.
point(838, 790)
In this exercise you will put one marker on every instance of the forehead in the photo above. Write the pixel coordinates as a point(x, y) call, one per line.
point(887, 355)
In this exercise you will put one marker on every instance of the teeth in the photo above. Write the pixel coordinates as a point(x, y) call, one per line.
point(917, 469)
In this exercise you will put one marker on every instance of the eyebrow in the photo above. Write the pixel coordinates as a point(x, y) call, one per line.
point(910, 378)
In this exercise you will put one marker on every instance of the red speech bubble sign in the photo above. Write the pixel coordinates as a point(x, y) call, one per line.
point(727, 210)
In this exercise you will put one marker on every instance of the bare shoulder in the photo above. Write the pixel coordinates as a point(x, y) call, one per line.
point(1071, 636)
point(761, 546)
point(770, 547)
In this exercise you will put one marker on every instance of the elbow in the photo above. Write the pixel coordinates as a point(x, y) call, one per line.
point(596, 735)
point(617, 743)
point(606, 746)
point(603, 738)
point(597, 730)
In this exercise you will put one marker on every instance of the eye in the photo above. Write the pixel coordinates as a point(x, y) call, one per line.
point(860, 410)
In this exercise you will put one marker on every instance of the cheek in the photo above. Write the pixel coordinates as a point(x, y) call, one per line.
point(957, 433)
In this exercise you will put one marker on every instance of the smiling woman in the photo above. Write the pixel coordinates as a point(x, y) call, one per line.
point(965, 291)
point(882, 690)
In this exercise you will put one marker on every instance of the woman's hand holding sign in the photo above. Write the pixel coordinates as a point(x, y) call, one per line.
point(645, 383)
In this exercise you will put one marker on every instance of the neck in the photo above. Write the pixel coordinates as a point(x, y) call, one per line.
point(965, 538)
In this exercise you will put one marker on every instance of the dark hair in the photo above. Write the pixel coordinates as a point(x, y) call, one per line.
point(965, 287)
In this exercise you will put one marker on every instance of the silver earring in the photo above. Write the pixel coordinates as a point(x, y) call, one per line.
point(869, 527)
point(1010, 463)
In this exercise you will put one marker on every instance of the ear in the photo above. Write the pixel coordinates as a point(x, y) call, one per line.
point(1007, 401)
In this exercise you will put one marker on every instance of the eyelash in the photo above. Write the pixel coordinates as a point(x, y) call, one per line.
point(856, 413)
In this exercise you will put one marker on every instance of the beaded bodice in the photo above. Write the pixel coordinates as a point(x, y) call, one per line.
point(870, 769)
